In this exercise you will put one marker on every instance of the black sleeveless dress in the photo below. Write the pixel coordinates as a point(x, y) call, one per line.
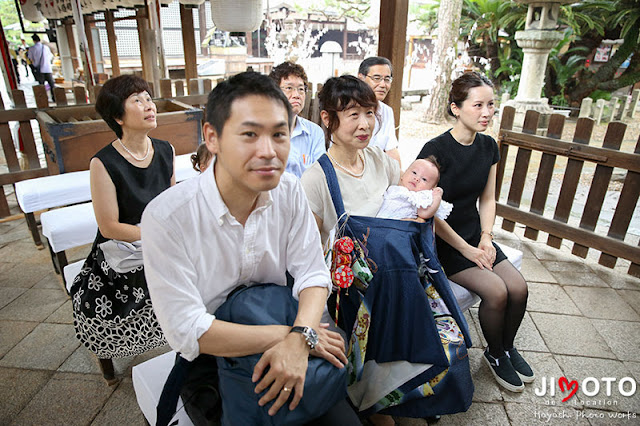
point(112, 311)
point(464, 171)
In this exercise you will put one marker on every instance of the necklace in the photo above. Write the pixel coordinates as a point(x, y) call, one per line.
point(131, 153)
point(344, 169)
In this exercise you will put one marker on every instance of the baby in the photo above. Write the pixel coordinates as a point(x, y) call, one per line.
point(417, 195)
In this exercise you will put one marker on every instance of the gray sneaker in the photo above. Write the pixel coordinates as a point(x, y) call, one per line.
point(521, 366)
point(503, 372)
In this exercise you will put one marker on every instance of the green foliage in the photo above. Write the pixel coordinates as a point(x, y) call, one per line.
point(627, 17)
point(509, 71)
point(586, 15)
point(600, 94)
point(356, 10)
point(483, 19)
point(425, 14)
point(490, 27)
point(8, 16)
point(564, 64)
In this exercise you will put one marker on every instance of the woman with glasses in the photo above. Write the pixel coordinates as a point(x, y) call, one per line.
point(307, 138)
point(112, 311)
point(377, 72)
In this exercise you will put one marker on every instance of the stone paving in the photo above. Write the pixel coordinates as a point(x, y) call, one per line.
point(582, 321)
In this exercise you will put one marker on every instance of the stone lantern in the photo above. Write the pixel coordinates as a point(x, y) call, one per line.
point(537, 40)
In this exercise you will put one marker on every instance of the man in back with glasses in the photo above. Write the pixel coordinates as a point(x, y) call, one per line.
point(377, 72)
point(307, 138)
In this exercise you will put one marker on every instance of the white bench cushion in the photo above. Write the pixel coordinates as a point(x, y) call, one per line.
point(69, 227)
point(53, 191)
point(71, 271)
point(74, 226)
point(466, 298)
point(71, 188)
point(148, 381)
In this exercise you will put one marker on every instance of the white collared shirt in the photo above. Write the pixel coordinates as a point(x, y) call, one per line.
point(41, 56)
point(196, 252)
point(384, 133)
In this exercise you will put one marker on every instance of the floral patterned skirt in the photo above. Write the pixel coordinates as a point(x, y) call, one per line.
point(112, 312)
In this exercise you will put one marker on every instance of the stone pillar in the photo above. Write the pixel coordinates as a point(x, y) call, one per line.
point(626, 101)
point(613, 105)
point(536, 41)
point(634, 103)
point(597, 114)
point(585, 108)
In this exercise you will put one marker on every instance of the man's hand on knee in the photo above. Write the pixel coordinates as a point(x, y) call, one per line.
point(287, 362)
point(330, 346)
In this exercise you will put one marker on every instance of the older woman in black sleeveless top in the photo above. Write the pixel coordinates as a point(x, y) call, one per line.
point(113, 316)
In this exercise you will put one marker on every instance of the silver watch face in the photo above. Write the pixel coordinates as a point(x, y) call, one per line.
point(312, 337)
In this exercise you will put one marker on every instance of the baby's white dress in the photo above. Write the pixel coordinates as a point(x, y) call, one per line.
point(400, 203)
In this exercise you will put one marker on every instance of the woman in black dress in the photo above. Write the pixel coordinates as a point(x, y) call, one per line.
point(465, 245)
point(113, 316)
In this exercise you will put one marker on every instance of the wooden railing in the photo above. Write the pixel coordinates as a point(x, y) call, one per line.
point(26, 137)
point(28, 133)
point(577, 153)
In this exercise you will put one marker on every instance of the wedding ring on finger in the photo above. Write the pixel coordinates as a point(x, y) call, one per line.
point(286, 389)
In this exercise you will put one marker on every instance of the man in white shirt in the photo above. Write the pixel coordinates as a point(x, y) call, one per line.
point(242, 221)
point(307, 138)
point(40, 56)
point(377, 72)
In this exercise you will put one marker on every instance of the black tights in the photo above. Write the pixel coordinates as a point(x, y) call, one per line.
point(504, 300)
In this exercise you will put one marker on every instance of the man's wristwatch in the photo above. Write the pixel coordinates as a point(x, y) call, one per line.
point(309, 334)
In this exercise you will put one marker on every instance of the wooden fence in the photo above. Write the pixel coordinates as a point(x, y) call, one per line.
point(26, 137)
point(577, 153)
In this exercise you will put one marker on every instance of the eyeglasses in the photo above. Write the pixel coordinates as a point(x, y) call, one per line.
point(378, 78)
point(288, 89)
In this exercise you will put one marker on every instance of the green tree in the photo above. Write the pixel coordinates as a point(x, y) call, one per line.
point(8, 16)
point(356, 10)
point(425, 14)
point(481, 23)
point(620, 20)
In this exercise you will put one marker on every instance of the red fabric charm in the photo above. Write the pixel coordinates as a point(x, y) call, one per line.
point(344, 245)
point(343, 276)
point(342, 259)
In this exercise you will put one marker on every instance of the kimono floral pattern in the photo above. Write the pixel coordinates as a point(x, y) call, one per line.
point(113, 316)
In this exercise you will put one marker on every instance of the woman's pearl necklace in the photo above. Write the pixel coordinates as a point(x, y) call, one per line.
point(131, 153)
point(349, 172)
